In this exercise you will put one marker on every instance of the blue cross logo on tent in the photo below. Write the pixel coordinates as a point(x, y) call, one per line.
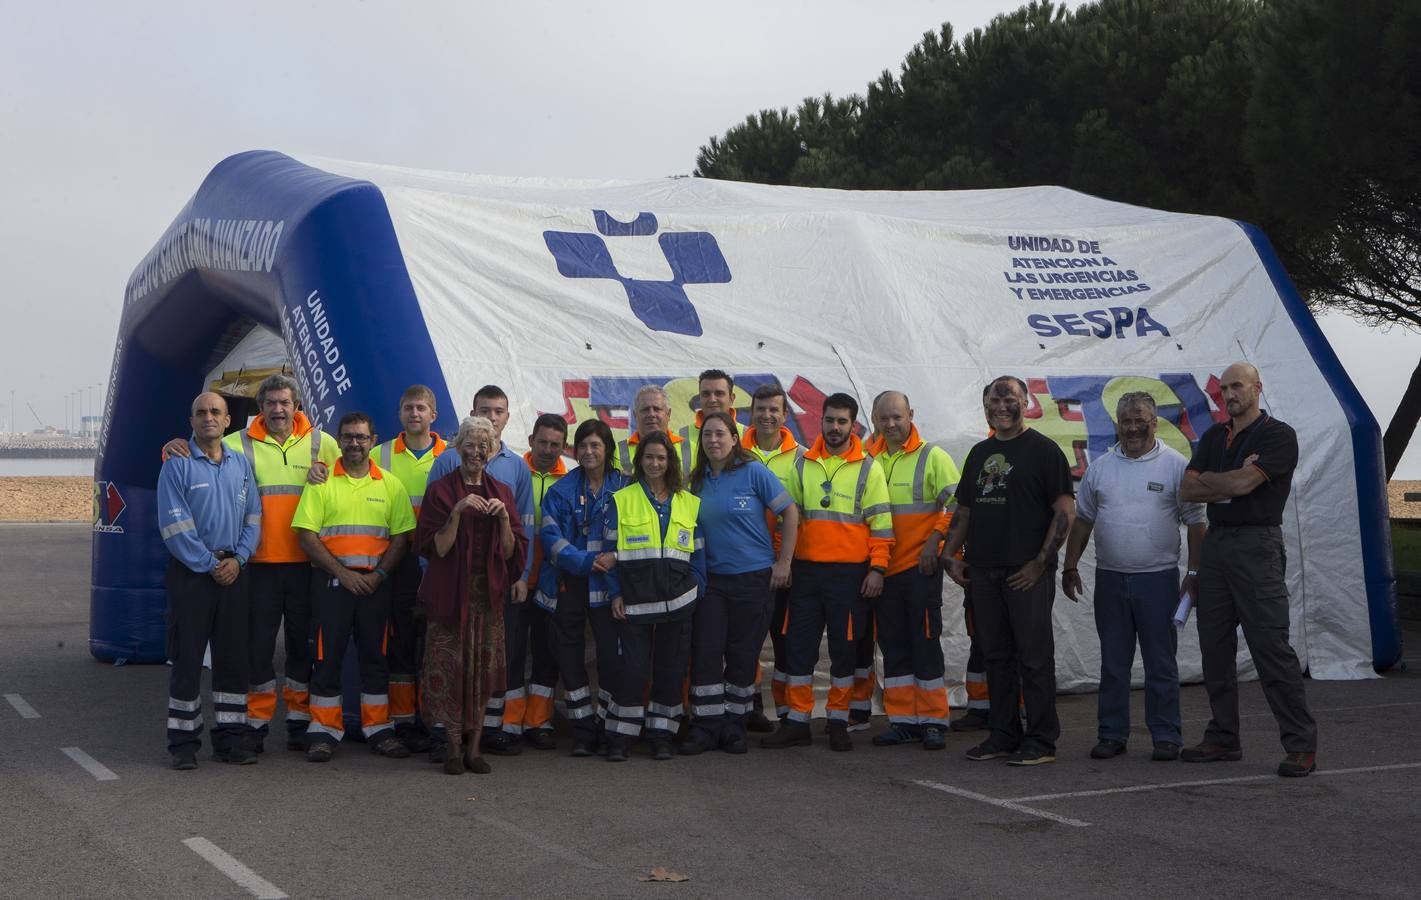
point(694, 258)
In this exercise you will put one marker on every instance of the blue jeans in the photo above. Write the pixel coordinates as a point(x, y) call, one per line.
point(1129, 606)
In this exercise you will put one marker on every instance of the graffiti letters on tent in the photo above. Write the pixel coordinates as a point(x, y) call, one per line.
point(694, 257)
point(1078, 411)
point(108, 506)
point(609, 398)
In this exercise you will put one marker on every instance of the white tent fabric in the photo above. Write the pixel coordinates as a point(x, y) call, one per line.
point(570, 294)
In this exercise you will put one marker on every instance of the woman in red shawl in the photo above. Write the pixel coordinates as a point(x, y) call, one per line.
point(475, 550)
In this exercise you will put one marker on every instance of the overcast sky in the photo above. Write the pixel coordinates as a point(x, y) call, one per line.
point(114, 113)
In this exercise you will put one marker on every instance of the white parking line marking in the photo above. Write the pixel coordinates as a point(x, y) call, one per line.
point(233, 868)
point(537, 840)
point(90, 765)
point(24, 709)
point(1242, 779)
point(1013, 805)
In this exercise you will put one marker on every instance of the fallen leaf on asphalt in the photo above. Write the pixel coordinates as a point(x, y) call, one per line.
point(661, 873)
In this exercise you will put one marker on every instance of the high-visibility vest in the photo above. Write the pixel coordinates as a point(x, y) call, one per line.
point(655, 573)
point(922, 486)
point(856, 524)
point(541, 482)
point(781, 461)
point(280, 471)
point(412, 471)
point(355, 517)
point(684, 442)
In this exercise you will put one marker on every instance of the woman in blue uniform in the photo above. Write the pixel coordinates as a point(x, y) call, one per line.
point(739, 497)
point(571, 581)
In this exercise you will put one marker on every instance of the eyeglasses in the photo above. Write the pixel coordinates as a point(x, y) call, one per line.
point(356, 438)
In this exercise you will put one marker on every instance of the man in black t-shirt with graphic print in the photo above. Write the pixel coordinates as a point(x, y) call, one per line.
point(1243, 469)
point(1015, 505)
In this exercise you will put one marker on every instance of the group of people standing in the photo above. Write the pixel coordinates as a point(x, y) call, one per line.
point(683, 558)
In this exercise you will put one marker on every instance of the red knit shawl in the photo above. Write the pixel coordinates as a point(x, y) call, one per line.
point(445, 587)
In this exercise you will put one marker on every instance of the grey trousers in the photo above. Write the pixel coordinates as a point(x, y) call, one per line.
point(1241, 582)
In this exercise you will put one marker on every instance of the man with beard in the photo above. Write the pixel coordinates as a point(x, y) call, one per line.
point(1243, 469)
point(1015, 505)
point(354, 528)
point(1129, 499)
point(844, 544)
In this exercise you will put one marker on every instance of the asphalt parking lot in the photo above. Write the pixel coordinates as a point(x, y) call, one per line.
point(92, 809)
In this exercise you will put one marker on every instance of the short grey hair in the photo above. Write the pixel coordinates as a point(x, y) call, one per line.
point(1127, 400)
point(474, 425)
point(279, 382)
point(650, 389)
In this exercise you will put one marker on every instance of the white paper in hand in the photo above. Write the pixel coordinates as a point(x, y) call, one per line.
point(1181, 613)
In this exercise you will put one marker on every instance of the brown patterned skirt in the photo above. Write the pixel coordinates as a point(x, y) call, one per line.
point(463, 665)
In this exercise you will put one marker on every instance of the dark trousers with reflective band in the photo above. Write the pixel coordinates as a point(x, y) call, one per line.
point(528, 699)
point(824, 596)
point(405, 636)
point(569, 627)
point(779, 680)
point(1131, 606)
point(909, 614)
point(280, 593)
point(339, 615)
point(200, 612)
point(1242, 582)
point(1020, 649)
point(656, 653)
point(975, 675)
point(730, 624)
point(865, 678)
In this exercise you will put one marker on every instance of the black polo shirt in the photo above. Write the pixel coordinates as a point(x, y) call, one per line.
point(1276, 446)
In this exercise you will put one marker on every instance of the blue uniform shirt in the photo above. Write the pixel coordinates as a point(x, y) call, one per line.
point(571, 532)
point(508, 468)
point(663, 515)
point(206, 506)
point(732, 518)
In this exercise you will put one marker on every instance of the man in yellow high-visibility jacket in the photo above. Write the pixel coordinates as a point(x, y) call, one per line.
point(409, 458)
point(355, 528)
point(922, 480)
point(528, 700)
point(845, 542)
point(769, 441)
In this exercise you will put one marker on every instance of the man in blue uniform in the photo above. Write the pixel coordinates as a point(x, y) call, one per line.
point(209, 516)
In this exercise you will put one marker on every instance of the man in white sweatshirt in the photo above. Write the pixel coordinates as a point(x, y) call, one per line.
point(1129, 498)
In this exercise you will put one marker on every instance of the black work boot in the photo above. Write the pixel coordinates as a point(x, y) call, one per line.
point(789, 734)
point(839, 735)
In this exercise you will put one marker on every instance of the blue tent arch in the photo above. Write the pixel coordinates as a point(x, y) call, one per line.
point(264, 242)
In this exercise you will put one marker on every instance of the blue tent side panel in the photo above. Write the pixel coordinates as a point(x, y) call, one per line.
point(1377, 565)
point(265, 241)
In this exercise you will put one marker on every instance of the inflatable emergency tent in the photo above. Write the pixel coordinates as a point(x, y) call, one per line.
point(570, 295)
